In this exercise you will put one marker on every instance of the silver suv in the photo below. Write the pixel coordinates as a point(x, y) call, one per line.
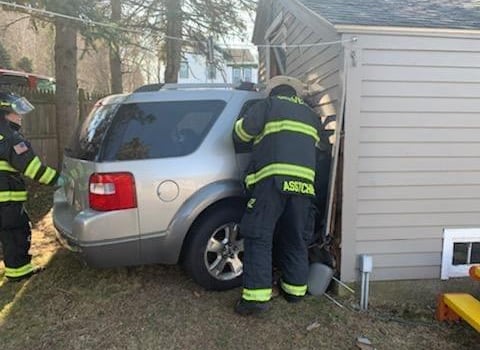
point(154, 177)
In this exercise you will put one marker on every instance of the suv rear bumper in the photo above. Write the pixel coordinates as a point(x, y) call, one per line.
point(103, 239)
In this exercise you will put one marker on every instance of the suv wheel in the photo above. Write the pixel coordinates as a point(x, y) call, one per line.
point(214, 251)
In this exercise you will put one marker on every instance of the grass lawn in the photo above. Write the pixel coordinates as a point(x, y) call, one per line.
point(73, 306)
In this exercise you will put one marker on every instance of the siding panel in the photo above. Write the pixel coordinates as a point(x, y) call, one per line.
point(417, 119)
point(406, 273)
point(410, 164)
point(417, 152)
point(418, 219)
point(407, 260)
point(419, 192)
point(419, 88)
point(427, 206)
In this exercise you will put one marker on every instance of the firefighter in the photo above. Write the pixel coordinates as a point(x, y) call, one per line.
point(284, 132)
point(17, 158)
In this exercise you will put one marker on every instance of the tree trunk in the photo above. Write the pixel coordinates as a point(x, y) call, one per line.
point(66, 100)
point(173, 47)
point(115, 61)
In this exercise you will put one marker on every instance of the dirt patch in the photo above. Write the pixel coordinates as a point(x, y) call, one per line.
point(73, 306)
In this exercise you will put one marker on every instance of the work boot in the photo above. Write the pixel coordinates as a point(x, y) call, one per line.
point(248, 308)
point(35, 271)
point(291, 298)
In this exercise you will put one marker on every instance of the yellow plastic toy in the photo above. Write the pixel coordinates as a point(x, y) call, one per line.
point(457, 306)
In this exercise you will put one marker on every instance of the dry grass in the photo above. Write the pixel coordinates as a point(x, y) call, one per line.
point(72, 306)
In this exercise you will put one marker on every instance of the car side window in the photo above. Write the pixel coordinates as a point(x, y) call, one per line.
point(245, 147)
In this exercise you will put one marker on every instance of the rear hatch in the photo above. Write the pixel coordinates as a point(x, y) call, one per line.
point(142, 135)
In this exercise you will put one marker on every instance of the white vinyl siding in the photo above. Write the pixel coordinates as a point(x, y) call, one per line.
point(412, 151)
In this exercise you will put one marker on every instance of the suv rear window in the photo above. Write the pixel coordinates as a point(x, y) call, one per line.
point(147, 130)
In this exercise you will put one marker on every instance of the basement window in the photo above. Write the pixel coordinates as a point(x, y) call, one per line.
point(461, 249)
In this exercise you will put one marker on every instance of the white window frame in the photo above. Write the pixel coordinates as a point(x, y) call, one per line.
point(450, 237)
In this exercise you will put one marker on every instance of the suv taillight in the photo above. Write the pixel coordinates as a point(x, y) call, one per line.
point(112, 191)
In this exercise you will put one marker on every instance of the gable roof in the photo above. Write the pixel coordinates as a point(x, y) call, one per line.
point(454, 14)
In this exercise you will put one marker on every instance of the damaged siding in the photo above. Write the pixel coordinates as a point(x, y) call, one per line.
point(318, 66)
point(412, 156)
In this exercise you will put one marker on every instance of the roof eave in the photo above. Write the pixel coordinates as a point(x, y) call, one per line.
point(397, 30)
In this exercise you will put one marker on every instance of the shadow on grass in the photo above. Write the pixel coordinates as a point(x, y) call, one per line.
point(73, 306)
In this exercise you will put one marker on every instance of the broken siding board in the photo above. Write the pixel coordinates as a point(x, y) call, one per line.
point(323, 61)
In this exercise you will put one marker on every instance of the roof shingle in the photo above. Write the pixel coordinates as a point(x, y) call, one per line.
point(455, 14)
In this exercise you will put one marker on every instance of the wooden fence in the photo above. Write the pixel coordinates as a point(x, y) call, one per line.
point(39, 126)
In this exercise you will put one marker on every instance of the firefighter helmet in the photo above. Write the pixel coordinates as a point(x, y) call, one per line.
point(12, 103)
point(279, 80)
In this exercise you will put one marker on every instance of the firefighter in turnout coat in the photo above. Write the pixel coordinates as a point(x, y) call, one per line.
point(17, 158)
point(284, 132)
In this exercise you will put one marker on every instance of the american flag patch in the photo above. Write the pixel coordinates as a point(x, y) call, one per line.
point(20, 148)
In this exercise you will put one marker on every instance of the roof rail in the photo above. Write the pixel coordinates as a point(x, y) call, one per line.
point(196, 86)
point(149, 87)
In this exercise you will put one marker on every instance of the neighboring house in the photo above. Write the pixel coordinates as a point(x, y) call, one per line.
point(406, 79)
point(236, 65)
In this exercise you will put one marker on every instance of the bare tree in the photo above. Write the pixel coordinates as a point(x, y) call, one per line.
point(174, 19)
point(115, 61)
point(66, 101)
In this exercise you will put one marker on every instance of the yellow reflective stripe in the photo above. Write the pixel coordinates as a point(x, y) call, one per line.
point(13, 196)
point(19, 271)
point(281, 169)
point(33, 167)
point(298, 291)
point(47, 176)
point(241, 133)
point(257, 294)
point(293, 99)
point(287, 125)
point(4, 165)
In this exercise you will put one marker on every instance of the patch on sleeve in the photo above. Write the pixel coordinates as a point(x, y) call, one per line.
point(20, 148)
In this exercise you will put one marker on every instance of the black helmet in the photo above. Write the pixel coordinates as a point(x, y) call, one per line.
point(12, 103)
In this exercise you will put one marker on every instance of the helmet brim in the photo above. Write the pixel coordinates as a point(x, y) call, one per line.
point(278, 80)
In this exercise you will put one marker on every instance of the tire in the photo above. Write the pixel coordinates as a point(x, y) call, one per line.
point(214, 252)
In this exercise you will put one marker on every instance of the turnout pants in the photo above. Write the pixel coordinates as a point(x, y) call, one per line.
point(265, 208)
point(15, 236)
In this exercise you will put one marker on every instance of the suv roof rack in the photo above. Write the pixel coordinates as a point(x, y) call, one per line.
point(170, 86)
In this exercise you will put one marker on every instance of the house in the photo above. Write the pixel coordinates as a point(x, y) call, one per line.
point(233, 66)
point(403, 79)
